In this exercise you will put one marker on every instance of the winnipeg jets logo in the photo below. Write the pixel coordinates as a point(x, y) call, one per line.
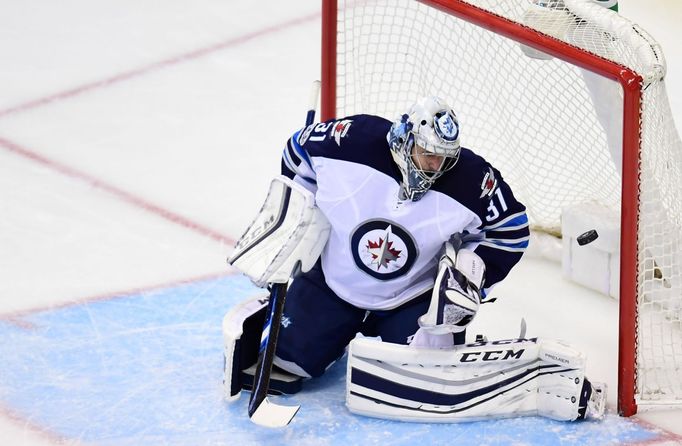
point(382, 252)
point(383, 249)
point(340, 130)
point(446, 127)
point(489, 183)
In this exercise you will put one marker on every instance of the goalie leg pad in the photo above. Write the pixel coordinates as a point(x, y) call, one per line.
point(497, 379)
point(568, 395)
point(242, 327)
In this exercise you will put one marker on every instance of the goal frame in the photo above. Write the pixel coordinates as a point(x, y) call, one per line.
point(631, 84)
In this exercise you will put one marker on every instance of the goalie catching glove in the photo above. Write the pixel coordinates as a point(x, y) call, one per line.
point(456, 294)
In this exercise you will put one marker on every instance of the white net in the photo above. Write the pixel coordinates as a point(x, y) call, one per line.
point(553, 129)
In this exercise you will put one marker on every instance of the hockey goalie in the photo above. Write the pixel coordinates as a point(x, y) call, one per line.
point(404, 236)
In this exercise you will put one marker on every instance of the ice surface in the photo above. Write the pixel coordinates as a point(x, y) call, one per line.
point(110, 304)
point(146, 369)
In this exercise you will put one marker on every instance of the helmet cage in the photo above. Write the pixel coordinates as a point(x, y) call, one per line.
point(434, 134)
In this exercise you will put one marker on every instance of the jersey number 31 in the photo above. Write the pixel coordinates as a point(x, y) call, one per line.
point(493, 213)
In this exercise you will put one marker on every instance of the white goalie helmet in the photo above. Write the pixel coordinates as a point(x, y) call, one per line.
point(424, 144)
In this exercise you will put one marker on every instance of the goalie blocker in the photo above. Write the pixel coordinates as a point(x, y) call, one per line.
point(287, 236)
point(498, 379)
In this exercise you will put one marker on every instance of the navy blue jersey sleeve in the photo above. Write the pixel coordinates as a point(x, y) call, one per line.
point(504, 227)
point(296, 160)
point(359, 138)
point(502, 220)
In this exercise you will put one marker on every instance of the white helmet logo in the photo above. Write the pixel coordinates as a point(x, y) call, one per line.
point(446, 128)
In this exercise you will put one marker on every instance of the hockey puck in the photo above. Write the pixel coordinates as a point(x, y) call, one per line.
point(587, 237)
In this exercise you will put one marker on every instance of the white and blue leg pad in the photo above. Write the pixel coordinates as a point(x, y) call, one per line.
point(498, 379)
point(242, 328)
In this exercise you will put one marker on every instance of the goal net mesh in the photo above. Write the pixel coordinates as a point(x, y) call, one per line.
point(553, 129)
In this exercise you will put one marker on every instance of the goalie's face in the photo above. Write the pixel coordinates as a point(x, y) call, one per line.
point(430, 164)
point(420, 168)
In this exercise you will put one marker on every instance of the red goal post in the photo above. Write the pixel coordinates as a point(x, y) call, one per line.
point(366, 45)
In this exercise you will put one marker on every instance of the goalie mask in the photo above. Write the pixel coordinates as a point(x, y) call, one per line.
point(424, 144)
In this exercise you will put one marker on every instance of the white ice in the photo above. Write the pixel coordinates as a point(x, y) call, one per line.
point(137, 140)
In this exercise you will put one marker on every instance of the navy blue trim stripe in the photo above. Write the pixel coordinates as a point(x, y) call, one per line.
point(280, 219)
point(365, 379)
point(288, 172)
point(293, 156)
point(513, 233)
point(292, 163)
point(300, 151)
point(461, 409)
point(516, 221)
point(501, 244)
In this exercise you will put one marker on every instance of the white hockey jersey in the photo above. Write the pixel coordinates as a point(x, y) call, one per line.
point(382, 251)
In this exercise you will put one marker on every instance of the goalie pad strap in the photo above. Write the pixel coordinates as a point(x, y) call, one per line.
point(478, 381)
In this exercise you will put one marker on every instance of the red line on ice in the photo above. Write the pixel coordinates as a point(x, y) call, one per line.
point(664, 438)
point(126, 196)
point(15, 318)
point(119, 193)
point(26, 424)
point(155, 66)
